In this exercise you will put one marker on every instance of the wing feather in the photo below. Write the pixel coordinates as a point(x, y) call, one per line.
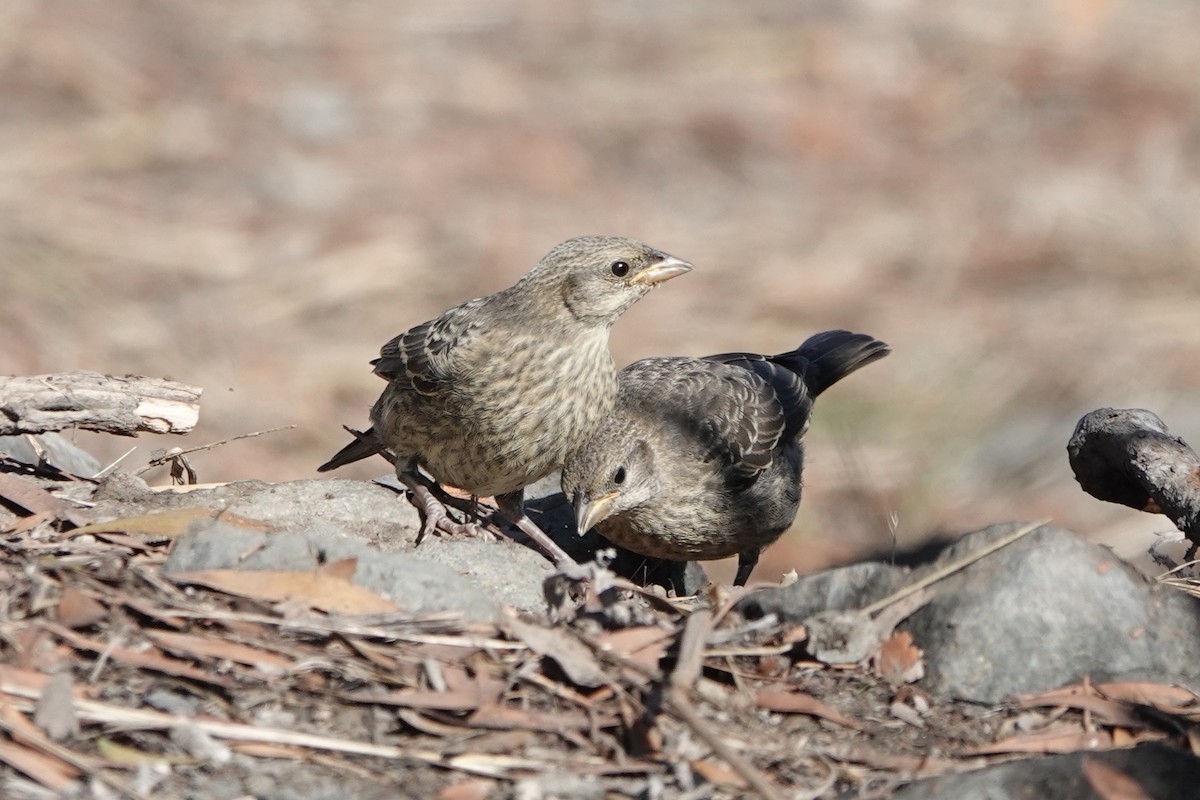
point(425, 356)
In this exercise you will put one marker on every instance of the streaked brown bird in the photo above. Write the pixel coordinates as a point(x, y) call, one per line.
point(700, 458)
point(496, 393)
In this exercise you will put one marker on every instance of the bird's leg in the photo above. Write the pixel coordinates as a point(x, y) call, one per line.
point(512, 507)
point(433, 510)
point(746, 561)
point(469, 507)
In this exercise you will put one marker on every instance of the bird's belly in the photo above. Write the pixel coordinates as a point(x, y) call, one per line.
point(489, 441)
point(706, 527)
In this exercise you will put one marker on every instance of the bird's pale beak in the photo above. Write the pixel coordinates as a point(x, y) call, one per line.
point(664, 270)
point(589, 513)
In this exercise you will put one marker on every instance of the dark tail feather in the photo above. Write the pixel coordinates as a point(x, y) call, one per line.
point(826, 358)
point(365, 445)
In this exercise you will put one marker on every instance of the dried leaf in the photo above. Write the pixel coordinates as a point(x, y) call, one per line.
point(801, 703)
point(126, 756)
point(899, 661)
point(1116, 702)
point(1054, 739)
point(343, 568)
point(472, 789)
point(20, 491)
point(715, 773)
point(78, 610)
point(270, 750)
point(645, 645)
point(165, 525)
point(327, 593)
point(571, 655)
point(148, 659)
point(481, 692)
point(500, 717)
point(55, 775)
point(154, 612)
point(202, 647)
point(1111, 783)
point(1109, 712)
point(431, 727)
point(1166, 698)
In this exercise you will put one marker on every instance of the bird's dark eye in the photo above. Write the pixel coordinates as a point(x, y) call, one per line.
point(619, 478)
point(620, 269)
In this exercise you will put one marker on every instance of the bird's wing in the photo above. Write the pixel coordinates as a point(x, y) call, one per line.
point(425, 356)
point(732, 416)
point(785, 379)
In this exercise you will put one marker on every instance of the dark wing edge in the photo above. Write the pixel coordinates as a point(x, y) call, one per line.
point(366, 444)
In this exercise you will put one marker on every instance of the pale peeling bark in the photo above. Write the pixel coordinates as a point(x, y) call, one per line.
point(90, 401)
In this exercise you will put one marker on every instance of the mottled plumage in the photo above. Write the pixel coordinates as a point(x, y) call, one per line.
point(700, 458)
point(495, 393)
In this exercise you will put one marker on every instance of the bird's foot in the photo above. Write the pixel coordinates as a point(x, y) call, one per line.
point(434, 514)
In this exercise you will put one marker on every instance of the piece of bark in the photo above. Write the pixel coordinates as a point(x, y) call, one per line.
point(95, 402)
point(1128, 456)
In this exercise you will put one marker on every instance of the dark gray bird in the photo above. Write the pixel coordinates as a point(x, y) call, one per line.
point(494, 394)
point(700, 458)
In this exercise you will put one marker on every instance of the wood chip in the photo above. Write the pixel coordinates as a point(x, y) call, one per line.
point(76, 609)
point(203, 647)
point(147, 659)
point(24, 492)
point(789, 702)
point(49, 772)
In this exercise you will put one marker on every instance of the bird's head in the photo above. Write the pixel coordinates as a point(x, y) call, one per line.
point(614, 475)
point(598, 277)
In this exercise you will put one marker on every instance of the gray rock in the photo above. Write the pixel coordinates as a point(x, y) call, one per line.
point(1163, 773)
point(851, 587)
point(1040, 613)
point(60, 453)
point(418, 585)
point(364, 510)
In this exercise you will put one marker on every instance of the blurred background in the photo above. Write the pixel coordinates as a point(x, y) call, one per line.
point(253, 195)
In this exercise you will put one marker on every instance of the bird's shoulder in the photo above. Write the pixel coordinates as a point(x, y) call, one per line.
point(426, 355)
point(729, 414)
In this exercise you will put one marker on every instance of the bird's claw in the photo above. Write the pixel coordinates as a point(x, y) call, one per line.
point(434, 514)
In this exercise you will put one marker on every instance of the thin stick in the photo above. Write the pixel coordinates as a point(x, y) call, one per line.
point(950, 569)
point(159, 461)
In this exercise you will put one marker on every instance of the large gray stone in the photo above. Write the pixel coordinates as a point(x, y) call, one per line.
point(1040, 613)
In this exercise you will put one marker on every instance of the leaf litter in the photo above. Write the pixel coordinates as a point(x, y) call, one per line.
point(628, 689)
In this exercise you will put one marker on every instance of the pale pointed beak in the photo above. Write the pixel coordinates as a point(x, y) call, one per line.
point(589, 513)
point(669, 267)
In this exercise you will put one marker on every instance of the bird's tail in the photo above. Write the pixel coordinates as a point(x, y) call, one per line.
point(826, 358)
point(365, 444)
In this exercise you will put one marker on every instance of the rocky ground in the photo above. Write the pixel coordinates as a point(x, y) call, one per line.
point(290, 641)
